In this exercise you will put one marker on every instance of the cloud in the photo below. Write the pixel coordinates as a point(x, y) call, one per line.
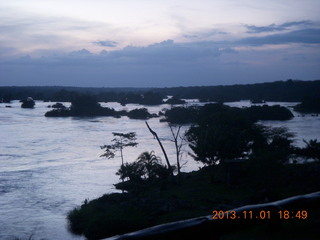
point(171, 63)
point(304, 36)
point(111, 44)
point(204, 34)
point(161, 64)
point(83, 52)
point(276, 27)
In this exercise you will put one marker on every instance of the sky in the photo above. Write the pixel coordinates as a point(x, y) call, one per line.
point(157, 43)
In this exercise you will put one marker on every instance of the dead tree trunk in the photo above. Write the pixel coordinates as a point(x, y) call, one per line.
point(177, 145)
point(162, 148)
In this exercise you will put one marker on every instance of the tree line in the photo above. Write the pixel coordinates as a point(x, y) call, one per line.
point(289, 91)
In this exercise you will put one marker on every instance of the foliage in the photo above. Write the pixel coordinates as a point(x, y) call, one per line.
point(107, 216)
point(146, 98)
point(224, 132)
point(197, 194)
point(121, 141)
point(28, 103)
point(279, 91)
point(141, 113)
point(181, 115)
point(266, 112)
point(133, 171)
point(59, 112)
point(288, 91)
point(184, 115)
point(308, 105)
point(82, 105)
point(152, 165)
point(220, 137)
point(151, 98)
point(312, 149)
point(87, 105)
point(174, 100)
point(58, 105)
point(277, 141)
point(148, 166)
point(6, 98)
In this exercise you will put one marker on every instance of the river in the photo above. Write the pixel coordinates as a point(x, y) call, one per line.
point(48, 166)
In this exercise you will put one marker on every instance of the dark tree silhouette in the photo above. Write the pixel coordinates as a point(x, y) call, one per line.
point(121, 141)
point(28, 103)
point(179, 142)
point(148, 166)
point(162, 148)
point(219, 137)
point(312, 149)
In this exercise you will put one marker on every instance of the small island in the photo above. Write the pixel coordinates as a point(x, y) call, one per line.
point(87, 106)
point(308, 105)
point(174, 101)
point(187, 115)
point(28, 103)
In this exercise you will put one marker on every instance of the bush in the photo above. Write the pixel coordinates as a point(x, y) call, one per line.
point(181, 115)
point(141, 113)
point(147, 167)
point(59, 105)
point(308, 105)
point(268, 113)
point(312, 149)
point(133, 171)
point(107, 216)
point(175, 100)
point(28, 103)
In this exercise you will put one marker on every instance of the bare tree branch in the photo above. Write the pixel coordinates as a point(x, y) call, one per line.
point(162, 148)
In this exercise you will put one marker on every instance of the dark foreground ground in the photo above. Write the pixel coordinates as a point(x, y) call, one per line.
point(199, 194)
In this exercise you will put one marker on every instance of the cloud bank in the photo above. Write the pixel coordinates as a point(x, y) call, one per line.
point(111, 44)
point(169, 63)
point(157, 43)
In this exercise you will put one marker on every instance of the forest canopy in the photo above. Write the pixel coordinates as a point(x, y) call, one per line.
point(289, 91)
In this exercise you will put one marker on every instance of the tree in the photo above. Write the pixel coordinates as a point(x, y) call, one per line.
point(121, 141)
point(162, 148)
point(85, 105)
point(179, 142)
point(278, 142)
point(141, 113)
point(148, 166)
point(312, 149)
point(133, 171)
point(28, 103)
point(221, 136)
point(150, 162)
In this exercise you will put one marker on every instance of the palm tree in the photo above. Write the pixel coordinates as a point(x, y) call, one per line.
point(151, 163)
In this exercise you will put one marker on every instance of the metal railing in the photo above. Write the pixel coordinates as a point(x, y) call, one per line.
point(224, 222)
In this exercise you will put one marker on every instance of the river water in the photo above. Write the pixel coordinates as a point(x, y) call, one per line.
point(48, 166)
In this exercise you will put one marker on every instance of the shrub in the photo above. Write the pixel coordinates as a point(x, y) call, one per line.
point(147, 167)
point(141, 113)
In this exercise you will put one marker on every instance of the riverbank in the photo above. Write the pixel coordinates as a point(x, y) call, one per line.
point(194, 194)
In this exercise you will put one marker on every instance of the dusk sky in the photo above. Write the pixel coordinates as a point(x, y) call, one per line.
point(157, 43)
